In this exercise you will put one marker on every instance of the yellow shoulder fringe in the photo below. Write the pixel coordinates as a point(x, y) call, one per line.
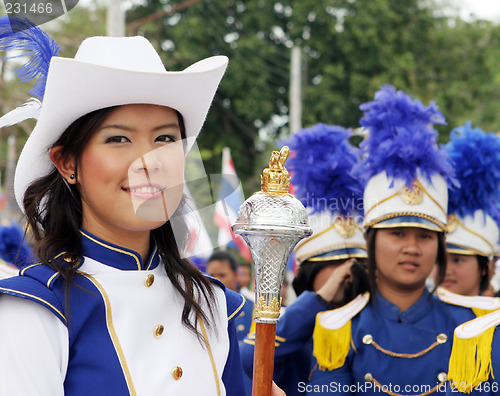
point(470, 360)
point(332, 333)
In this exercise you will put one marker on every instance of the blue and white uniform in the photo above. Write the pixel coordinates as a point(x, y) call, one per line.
point(389, 351)
point(122, 336)
point(243, 321)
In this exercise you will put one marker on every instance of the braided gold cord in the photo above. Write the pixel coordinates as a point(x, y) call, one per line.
point(405, 355)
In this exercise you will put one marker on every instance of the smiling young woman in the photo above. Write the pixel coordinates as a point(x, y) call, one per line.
point(112, 307)
point(398, 338)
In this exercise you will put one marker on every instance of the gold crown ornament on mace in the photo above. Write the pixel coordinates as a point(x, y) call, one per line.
point(272, 221)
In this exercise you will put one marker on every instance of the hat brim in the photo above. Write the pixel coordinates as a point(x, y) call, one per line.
point(76, 88)
point(463, 250)
point(340, 254)
point(408, 221)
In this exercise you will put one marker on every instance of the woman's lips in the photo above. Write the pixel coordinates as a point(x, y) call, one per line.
point(145, 191)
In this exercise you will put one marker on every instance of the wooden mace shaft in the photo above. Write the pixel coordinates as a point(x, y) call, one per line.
point(263, 359)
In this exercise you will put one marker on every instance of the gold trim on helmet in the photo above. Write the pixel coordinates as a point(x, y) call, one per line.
point(440, 227)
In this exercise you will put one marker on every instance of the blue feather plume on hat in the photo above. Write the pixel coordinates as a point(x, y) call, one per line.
point(321, 164)
point(401, 138)
point(13, 246)
point(19, 34)
point(475, 156)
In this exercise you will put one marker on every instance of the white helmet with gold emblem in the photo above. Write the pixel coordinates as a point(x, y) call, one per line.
point(473, 207)
point(321, 166)
point(407, 172)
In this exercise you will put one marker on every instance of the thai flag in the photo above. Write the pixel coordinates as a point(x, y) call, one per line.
point(199, 242)
point(226, 208)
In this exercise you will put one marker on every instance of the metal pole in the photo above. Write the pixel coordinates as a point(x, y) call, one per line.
point(296, 90)
point(115, 22)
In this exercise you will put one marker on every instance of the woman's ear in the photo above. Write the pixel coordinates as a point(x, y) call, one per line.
point(64, 164)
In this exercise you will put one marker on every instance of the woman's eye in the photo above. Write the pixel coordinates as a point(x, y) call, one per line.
point(397, 233)
point(166, 138)
point(117, 139)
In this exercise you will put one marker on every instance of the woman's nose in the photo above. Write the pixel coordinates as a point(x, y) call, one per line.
point(412, 246)
point(148, 162)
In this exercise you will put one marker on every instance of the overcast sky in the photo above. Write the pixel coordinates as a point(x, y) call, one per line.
point(483, 9)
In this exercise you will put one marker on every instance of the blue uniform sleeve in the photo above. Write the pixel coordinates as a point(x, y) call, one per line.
point(296, 326)
point(233, 372)
point(293, 347)
point(338, 381)
point(293, 331)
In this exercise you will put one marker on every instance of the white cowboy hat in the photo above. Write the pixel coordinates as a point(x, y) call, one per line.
point(111, 71)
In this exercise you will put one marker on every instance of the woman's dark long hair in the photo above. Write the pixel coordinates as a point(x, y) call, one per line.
point(484, 272)
point(54, 211)
point(372, 265)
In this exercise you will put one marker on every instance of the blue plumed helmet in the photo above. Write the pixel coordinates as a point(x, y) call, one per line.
point(321, 164)
point(408, 175)
point(473, 207)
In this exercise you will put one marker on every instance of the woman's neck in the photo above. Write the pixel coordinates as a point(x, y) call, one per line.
point(403, 298)
point(139, 242)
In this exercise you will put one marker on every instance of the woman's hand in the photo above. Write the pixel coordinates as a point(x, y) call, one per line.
point(333, 288)
point(277, 391)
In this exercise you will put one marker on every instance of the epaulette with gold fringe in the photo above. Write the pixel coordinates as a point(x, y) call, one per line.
point(332, 333)
point(480, 305)
point(470, 360)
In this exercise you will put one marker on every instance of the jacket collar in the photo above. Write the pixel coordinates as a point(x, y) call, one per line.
point(116, 256)
point(392, 312)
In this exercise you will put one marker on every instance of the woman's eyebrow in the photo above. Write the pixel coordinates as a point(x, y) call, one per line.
point(167, 126)
point(117, 126)
point(131, 129)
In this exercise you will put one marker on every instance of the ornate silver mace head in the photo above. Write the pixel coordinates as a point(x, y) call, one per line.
point(272, 221)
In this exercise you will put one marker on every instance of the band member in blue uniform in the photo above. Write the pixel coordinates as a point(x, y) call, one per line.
point(396, 339)
point(474, 362)
point(328, 272)
point(473, 233)
point(112, 307)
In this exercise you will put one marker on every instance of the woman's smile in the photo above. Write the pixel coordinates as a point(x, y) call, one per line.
point(145, 191)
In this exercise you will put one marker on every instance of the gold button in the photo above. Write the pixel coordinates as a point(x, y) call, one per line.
point(150, 280)
point(240, 327)
point(442, 338)
point(368, 377)
point(177, 373)
point(159, 331)
point(367, 339)
point(442, 377)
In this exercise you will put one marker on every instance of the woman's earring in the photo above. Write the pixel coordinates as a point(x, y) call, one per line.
point(72, 176)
